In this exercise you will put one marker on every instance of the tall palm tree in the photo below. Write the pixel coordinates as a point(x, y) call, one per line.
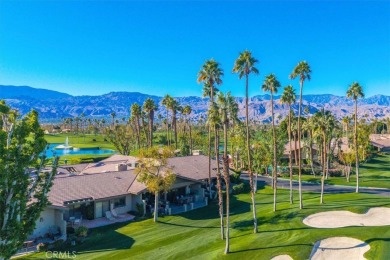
point(244, 66)
point(171, 104)
point(227, 111)
point(324, 123)
point(289, 98)
point(271, 84)
point(113, 115)
point(214, 121)
point(210, 75)
point(187, 110)
point(355, 91)
point(135, 113)
point(150, 107)
point(303, 71)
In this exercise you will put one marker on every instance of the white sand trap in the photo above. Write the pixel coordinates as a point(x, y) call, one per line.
point(339, 248)
point(334, 219)
point(282, 257)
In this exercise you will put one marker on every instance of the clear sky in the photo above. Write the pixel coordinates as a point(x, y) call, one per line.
point(158, 47)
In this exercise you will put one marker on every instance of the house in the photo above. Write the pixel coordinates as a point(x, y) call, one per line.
point(381, 142)
point(88, 191)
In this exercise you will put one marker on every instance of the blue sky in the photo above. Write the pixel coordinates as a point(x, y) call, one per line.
point(158, 47)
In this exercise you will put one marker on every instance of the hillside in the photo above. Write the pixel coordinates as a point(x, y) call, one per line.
point(53, 105)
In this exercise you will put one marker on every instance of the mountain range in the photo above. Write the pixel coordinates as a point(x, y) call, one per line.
point(53, 106)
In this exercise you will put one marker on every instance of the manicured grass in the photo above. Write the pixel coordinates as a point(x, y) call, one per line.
point(80, 141)
point(196, 234)
point(374, 173)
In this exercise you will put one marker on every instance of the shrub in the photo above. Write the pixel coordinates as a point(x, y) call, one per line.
point(69, 230)
point(140, 209)
point(235, 177)
point(81, 231)
point(59, 244)
point(240, 188)
point(41, 247)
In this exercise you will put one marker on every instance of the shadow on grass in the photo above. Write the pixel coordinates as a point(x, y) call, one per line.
point(212, 210)
point(104, 239)
point(268, 247)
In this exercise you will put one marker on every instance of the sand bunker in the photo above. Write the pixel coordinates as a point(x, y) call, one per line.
point(339, 248)
point(335, 219)
point(282, 257)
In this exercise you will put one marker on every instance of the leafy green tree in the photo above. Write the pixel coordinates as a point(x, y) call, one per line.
point(122, 137)
point(153, 170)
point(303, 71)
point(210, 75)
point(289, 98)
point(355, 91)
point(23, 194)
point(271, 84)
point(244, 66)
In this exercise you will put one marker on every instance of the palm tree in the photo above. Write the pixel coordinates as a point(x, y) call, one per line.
point(210, 75)
point(150, 107)
point(165, 102)
point(244, 66)
point(324, 123)
point(303, 71)
point(187, 110)
point(135, 113)
point(289, 98)
point(214, 120)
point(355, 91)
point(271, 84)
point(228, 112)
point(113, 115)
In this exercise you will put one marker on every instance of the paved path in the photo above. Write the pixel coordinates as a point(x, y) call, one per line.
point(307, 186)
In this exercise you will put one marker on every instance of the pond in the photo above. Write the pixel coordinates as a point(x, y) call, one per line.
point(51, 152)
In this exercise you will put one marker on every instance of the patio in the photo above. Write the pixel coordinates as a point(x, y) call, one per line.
point(99, 222)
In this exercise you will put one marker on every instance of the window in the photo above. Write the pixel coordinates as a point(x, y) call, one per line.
point(119, 202)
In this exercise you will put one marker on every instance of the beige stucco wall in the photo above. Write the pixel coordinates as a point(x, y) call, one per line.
point(44, 222)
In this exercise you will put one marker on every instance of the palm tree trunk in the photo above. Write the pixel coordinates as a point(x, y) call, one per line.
point(155, 206)
point(275, 173)
point(323, 169)
point(210, 160)
point(290, 156)
point(295, 150)
point(166, 121)
point(299, 147)
point(219, 184)
point(189, 127)
point(255, 229)
point(356, 149)
point(151, 116)
point(227, 182)
point(174, 126)
point(311, 152)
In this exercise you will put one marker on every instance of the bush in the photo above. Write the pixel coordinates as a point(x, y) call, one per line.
point(240, 188)
point(59, 244)
point(235, 177)
point(81, 231)
point(140, 209)
point(69, 230)
point(41, 247)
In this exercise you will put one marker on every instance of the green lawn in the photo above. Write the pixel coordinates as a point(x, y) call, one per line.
point(195, 234)
point(375, 173)
point(80, 141)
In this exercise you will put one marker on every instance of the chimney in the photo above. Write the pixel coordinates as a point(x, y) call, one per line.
point(121, 167)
